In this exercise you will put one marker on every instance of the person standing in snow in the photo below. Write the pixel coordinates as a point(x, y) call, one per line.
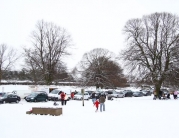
point(102, 100)
point(175, 94)
point(96, 104)
point(65, 99)
point(62, 95)
point(72, 95)
point(93, 96)
point(155, 95)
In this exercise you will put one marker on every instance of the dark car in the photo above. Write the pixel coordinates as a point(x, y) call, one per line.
point(146, 93)
point(128, 93)
point(97, 95)
point(10, 98)
point(108, 92)
point(165, 91)
point(37, 96)
point(138, 94)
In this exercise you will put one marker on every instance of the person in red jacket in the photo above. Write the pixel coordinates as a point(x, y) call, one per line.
point(72, 95)
point(96, 103)
point(62, 95)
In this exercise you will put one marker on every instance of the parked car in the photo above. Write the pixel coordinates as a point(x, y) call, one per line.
point(90, 92)
point(9, 98)
point(138, 94)
point(165, 91)
point(117, 94)
point(121, 94)
point(54, 95)
point(128, 93)
point(108, 92)
point(146, 93)
point(79, 96)
point(37, 96)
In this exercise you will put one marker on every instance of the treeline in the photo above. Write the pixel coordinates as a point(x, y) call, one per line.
point(25, 77)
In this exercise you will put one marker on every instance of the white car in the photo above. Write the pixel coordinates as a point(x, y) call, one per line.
point(79, 96)
point(118, 94)
point(54, 95)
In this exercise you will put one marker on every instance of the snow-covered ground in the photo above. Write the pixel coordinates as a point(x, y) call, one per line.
point(136, 117)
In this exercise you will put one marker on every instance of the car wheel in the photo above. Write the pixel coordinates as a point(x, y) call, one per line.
point(17, 101)
point(35, 100)
point(81, 99)
point(46, 100)
point(4, 102)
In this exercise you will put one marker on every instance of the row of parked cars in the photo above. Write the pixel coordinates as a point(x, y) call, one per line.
point(9, 97)
point(129, 93)
point(37, 96)
point(112, 94)
point(121, 94)
point(33, 97)
point(40, 96)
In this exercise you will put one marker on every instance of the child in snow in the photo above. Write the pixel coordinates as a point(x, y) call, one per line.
point(96, 103)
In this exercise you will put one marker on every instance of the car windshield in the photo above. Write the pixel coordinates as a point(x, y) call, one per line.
point(54, 91)
point(4, 95)
point(33, 94)
point(120, 92)
point(136, 92)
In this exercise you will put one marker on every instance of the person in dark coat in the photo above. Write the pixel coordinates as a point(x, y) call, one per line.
point(93, 96)
point(168, 96)
point(102, 100)
point(62, 95)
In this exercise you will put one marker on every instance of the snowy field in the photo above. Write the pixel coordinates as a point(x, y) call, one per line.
point(136, 117)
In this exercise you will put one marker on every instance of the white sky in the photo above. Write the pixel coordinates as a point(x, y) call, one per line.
point(91, 23)
point(136, 117)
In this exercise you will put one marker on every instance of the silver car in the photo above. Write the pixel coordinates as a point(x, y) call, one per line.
point(118, 94)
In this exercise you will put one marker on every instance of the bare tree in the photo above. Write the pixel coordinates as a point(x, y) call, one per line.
point(50, 44)
point(152, 47)
point(8, 57)
point(99, 68)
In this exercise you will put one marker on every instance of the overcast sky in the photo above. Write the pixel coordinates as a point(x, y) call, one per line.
point(91, 23)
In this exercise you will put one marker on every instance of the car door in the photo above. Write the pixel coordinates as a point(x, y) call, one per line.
point(40, 97)
point(14, 98)
point(8, 99)
point(43, 95)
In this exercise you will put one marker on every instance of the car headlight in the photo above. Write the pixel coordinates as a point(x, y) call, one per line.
point(31, 98)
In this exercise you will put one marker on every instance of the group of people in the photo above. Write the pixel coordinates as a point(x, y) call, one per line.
point(162, 95)
point(63, 97)
point(100, 101)
point(96, 101)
